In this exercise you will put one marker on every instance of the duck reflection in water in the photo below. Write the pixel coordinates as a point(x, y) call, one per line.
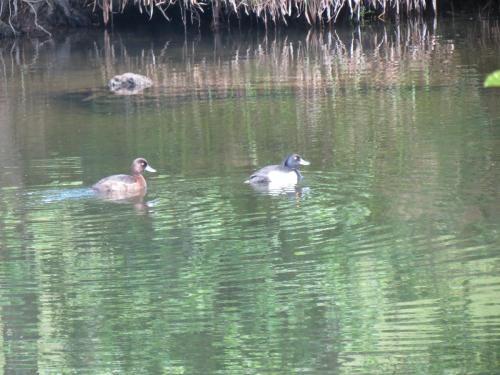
point(141, 206)
point(293, 191)
point(122, 188)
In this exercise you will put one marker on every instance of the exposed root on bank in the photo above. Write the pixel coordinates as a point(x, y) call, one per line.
point(312, 11)
point(17, 10)
point(36, 15)
point(27, 16)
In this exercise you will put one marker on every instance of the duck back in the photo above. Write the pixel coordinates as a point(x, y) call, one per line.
point(275, 174)
point(120, 183)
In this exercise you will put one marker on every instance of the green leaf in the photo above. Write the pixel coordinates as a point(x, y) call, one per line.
point(493, 80)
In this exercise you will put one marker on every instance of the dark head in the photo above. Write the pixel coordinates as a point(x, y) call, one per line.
point(294, 161)
point(140, 165)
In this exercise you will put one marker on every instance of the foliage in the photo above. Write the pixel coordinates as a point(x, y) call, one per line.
point(493, 80)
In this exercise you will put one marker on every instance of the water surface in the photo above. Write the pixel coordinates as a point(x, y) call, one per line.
point(385, 260)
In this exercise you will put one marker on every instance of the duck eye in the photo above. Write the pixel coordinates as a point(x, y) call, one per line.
point(297, 158)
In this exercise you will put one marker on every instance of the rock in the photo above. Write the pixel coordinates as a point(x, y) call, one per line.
point(129, 83)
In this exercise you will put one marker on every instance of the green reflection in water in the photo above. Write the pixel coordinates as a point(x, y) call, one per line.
point(385, 260)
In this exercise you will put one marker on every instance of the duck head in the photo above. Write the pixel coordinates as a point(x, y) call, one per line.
point(140, 165)
point(293, 161)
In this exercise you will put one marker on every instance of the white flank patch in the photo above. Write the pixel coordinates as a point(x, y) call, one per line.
point(279, 179)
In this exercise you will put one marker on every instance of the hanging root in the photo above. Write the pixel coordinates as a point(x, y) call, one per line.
point(38, 26)
point(312, 11)
point(14, 13)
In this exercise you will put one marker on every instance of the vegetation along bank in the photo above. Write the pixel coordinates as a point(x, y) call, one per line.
point(34, 17)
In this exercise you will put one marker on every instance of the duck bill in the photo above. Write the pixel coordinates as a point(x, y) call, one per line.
point(149, 169)
point(304, 162)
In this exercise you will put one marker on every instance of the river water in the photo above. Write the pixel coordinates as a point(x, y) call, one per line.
point(384, 260)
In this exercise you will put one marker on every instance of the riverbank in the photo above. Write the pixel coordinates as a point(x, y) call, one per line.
point(21, 17)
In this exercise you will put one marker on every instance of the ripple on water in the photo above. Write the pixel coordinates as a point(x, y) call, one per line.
point(324, 271)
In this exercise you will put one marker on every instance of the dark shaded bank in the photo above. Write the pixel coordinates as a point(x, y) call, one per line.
point(34, 17)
